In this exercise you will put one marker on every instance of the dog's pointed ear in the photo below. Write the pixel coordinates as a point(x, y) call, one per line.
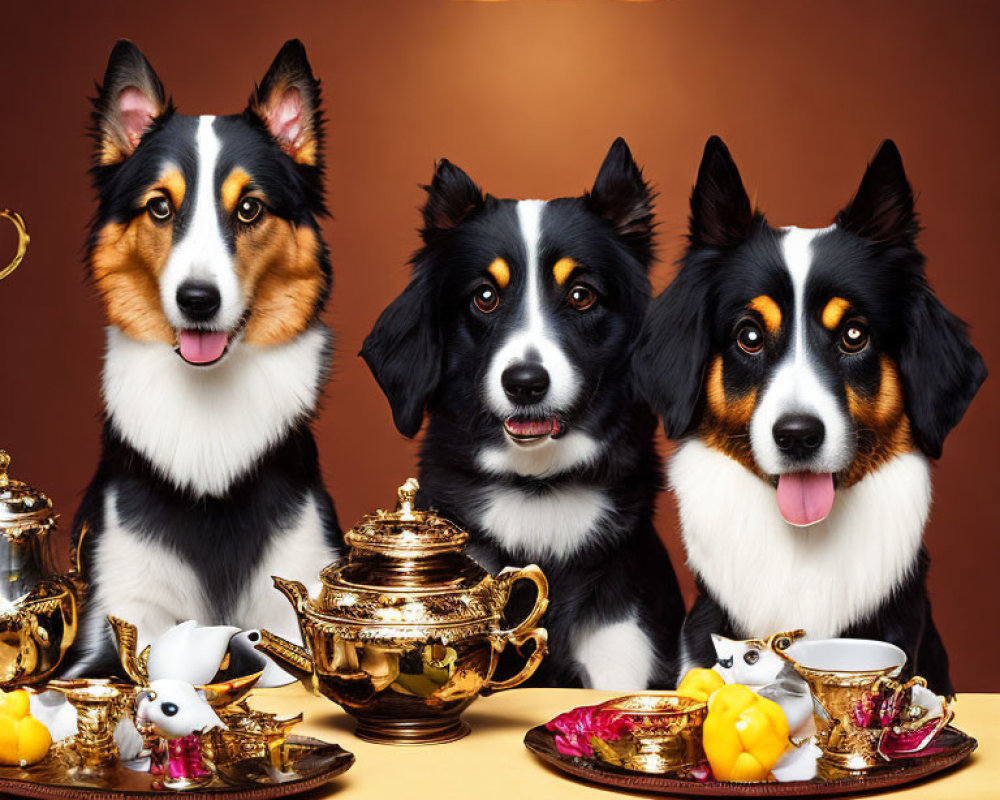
point(451, 197)
point(721, 214)
point(940, 368)
point(671, 355)
point(882, 210)
point(287, 101)
point(128, 100)
point(623, 198)
point(403, 351)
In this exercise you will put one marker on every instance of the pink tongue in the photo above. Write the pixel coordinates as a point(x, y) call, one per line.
point(203, 347)
point(530, 427)
point(805, 498)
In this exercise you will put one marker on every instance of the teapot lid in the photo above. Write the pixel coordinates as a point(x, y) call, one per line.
point(23, 509)
point(406, 532)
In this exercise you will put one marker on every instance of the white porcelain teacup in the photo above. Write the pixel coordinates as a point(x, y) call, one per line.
point(859, 702)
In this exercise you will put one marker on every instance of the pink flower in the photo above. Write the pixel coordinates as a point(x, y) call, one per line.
point(575, 728)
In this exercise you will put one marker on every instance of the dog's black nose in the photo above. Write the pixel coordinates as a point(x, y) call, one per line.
point(525, 382)
point(198, 301)
point(798, 435)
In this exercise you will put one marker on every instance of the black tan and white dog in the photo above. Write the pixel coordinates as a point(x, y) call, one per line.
point(811, 375)
point(207, 254)
point(514, 335)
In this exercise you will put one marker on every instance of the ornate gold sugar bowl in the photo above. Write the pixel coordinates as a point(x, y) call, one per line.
point(406, 631)
point(38, 607)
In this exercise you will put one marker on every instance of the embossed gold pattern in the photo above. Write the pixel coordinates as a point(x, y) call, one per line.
point(665, 736)
point(406, 630)
point(38, 612)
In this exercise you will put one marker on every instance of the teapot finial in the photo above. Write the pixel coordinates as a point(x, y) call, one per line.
point(4, 464)
point(407, 493)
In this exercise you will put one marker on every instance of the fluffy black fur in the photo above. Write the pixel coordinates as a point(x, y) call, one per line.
point(430, 350)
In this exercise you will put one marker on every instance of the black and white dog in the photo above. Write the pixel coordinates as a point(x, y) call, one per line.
point(207, 253)
point(810, 376)
point(515, 334)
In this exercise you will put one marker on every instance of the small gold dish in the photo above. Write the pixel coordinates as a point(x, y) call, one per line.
point(664, 735)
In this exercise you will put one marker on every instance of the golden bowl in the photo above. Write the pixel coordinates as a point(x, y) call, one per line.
point(663, 733)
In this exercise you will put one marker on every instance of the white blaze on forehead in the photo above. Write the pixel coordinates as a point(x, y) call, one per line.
point(796, 386)
point(533, 335)
point(202, 254)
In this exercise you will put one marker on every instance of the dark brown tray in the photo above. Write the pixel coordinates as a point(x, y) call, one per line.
point(949, 748)
point(314, 763)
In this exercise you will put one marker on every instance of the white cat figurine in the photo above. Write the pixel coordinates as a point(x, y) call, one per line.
point(753, 663)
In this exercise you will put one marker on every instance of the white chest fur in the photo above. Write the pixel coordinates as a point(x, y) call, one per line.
point(615, 657)
point(551, 524)
point(151, 586)
point(770, 576)
point(204, 428)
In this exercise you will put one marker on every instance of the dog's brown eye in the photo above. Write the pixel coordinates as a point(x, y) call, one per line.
point(486, 298)
point(581, 297)
point(750, 338)
point(159, 208)
point(248, 210)
point(751, 657)
point(854, 339)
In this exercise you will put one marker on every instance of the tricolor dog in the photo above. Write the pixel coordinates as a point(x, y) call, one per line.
point(207, 253)
point(810, 376)
point(514, 335)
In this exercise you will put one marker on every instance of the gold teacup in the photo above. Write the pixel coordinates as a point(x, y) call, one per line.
point(664, 735)
point(851, 680)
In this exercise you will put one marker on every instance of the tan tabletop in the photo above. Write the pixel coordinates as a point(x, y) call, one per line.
point(492, 761)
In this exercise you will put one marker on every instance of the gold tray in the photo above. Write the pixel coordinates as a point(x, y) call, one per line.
point(951, 747)
point(313, 763)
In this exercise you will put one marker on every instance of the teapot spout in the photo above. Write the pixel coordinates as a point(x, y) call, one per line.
point(294, 591)
point(290, 657)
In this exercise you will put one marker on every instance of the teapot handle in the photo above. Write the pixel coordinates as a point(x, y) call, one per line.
point(506, 579)
point(540, 637)
point(525, 631)
point(22, 240)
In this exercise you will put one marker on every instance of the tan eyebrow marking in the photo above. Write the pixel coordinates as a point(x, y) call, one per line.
point(834, 311)
point(232, 188)
point(500, 271)
point(172, 182)
point(562, 269)
point(768, 311)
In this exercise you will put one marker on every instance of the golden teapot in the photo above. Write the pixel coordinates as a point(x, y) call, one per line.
point(406, 631)
point(38, 607)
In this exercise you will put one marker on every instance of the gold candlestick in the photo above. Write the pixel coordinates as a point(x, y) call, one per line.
point(99, 706)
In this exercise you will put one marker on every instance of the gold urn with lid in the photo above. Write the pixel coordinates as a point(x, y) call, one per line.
point(406, 631)
point(38, 607)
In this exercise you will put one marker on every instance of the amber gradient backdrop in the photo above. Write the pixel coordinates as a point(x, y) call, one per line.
point(526, 96)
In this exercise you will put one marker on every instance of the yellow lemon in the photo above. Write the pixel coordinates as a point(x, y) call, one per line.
point(698, 684)
point(14, 704)
point(23, 741)
point(744, 734)
point(9, 729)
point(34, 741)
